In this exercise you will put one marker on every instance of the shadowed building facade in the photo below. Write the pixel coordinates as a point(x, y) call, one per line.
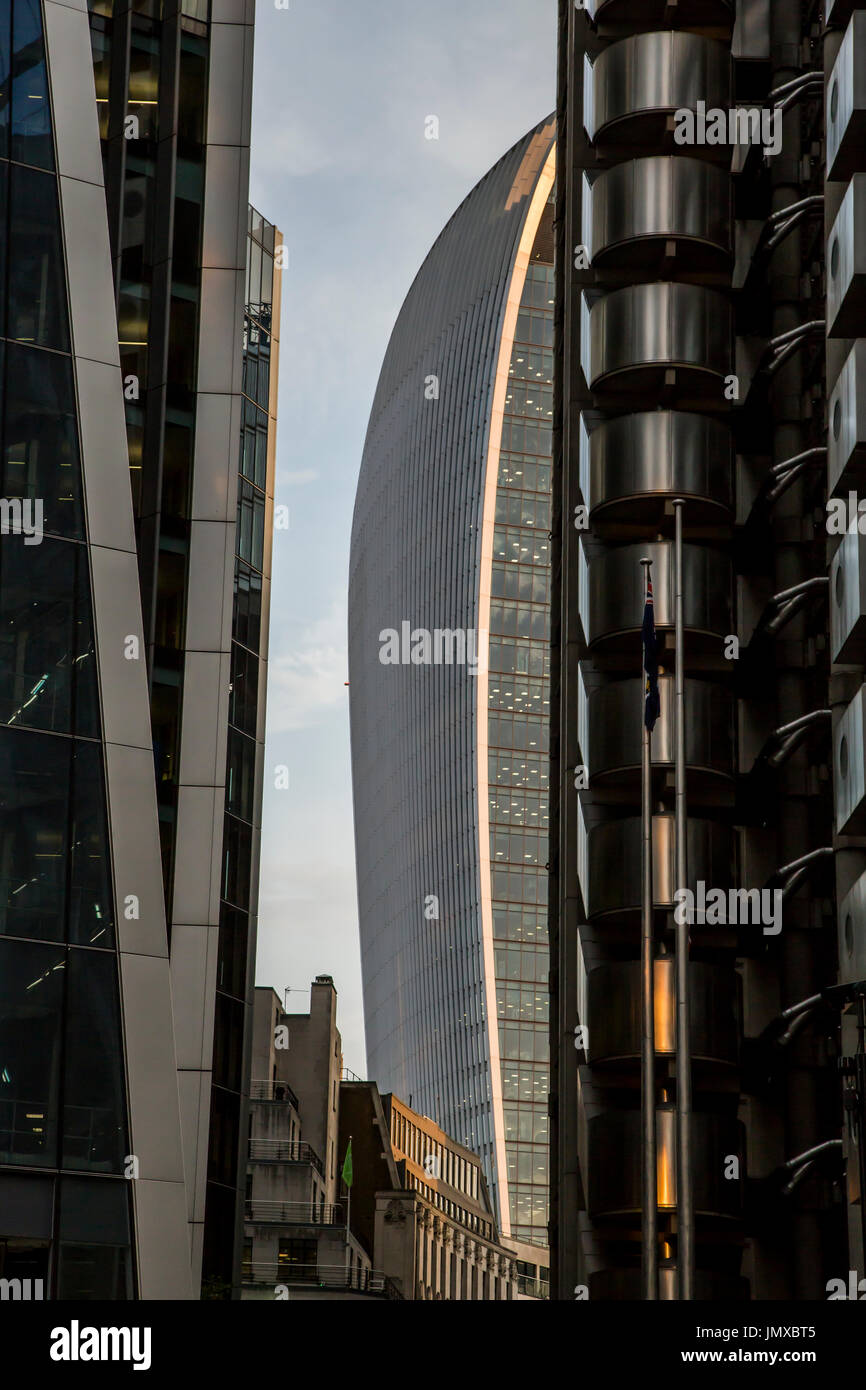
point(131, 707)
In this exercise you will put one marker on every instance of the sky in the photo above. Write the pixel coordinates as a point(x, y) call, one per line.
point(342, 90)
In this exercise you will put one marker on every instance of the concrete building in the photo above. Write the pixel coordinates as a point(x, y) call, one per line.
point(130, 857)
point(296, 1237)
point(708, 311)
point(418, 1223)
point(450, 753)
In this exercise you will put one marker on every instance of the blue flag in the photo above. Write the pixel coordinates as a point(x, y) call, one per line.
point(652, 708)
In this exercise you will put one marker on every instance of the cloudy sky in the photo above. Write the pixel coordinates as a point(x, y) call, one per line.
point(340, 162)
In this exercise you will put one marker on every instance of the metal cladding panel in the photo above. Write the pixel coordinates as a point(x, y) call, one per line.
point(614, 861)
point(661, 196)
point(615, 1157)
point(846, 102)
point(616, 589)
point(849, 767)
point(614, 1012)
point(848, 601)
point(661, 324)
point(658, 72)
point(416, 557)
point(656, 12)
point(660, 453)
point(846, 264)
point(615, 726)
point(852, 932)
point(846, 441)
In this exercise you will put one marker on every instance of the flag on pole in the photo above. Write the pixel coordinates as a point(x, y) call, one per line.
point(347, 1166)
point(652, 708)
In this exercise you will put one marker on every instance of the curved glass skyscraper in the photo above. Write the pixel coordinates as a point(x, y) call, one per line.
point(448, 657)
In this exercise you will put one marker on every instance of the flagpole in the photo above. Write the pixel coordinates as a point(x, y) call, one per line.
point(649, 1193)
point(348, 1212)
point(685, 1195)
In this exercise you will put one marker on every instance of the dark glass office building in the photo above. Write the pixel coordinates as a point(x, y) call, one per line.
point(129, 851)
point(450, 554)
point(708, 315)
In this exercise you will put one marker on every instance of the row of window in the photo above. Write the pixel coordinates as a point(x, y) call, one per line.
point(513, 619)
point(512, 963)
point(73, 1234)
point(515, 508)
point(524, 1042)
point(526, 1083)
point(518, 694)
point(517, 848)
point(523, 1003)
point(524, 472)
point(25, 122)
point(61, 1071)
point(520, 582)
point(520, 809)
point(517, 769)
point(521, 547)
point(516, 922)
point(528, 1124)
point(47, 661)
point(517, 732)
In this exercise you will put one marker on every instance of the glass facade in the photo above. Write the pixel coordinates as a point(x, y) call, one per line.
point(237, 929)
point(64, 1198)
point(155, 194)
point(423, 883)
point(519, 743)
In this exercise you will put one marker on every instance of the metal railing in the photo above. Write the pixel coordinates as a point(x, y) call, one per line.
point(296, 1213)
point(275, 1151)
point(273, 1090)
point(275, 1272)
point(532, 1288)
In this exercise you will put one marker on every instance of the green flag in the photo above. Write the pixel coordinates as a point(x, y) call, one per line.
point(347, 1166)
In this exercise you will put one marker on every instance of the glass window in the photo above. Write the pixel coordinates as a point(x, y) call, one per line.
point(247, 606)
point(47, 662)
point(240, 775)
point(37, 291)
point(31, 1007)
point(228, 1042)
point(237, 862)
point(224, 1131)
point(94, 1129)
point(244, 694)
point(251, 525)
point(53, 842)
point(31, 118)
point(94, 1256)
point(40, 439)
point(232, 951)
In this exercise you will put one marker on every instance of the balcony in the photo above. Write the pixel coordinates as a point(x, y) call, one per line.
point(336, 1277)
point(295, 1213)
point(275, 1151)
point(274, 1090)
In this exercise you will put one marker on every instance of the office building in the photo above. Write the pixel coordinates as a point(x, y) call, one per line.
point(707, 319)
point(450, 561)
point(128, 902)
point(416, 1222)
